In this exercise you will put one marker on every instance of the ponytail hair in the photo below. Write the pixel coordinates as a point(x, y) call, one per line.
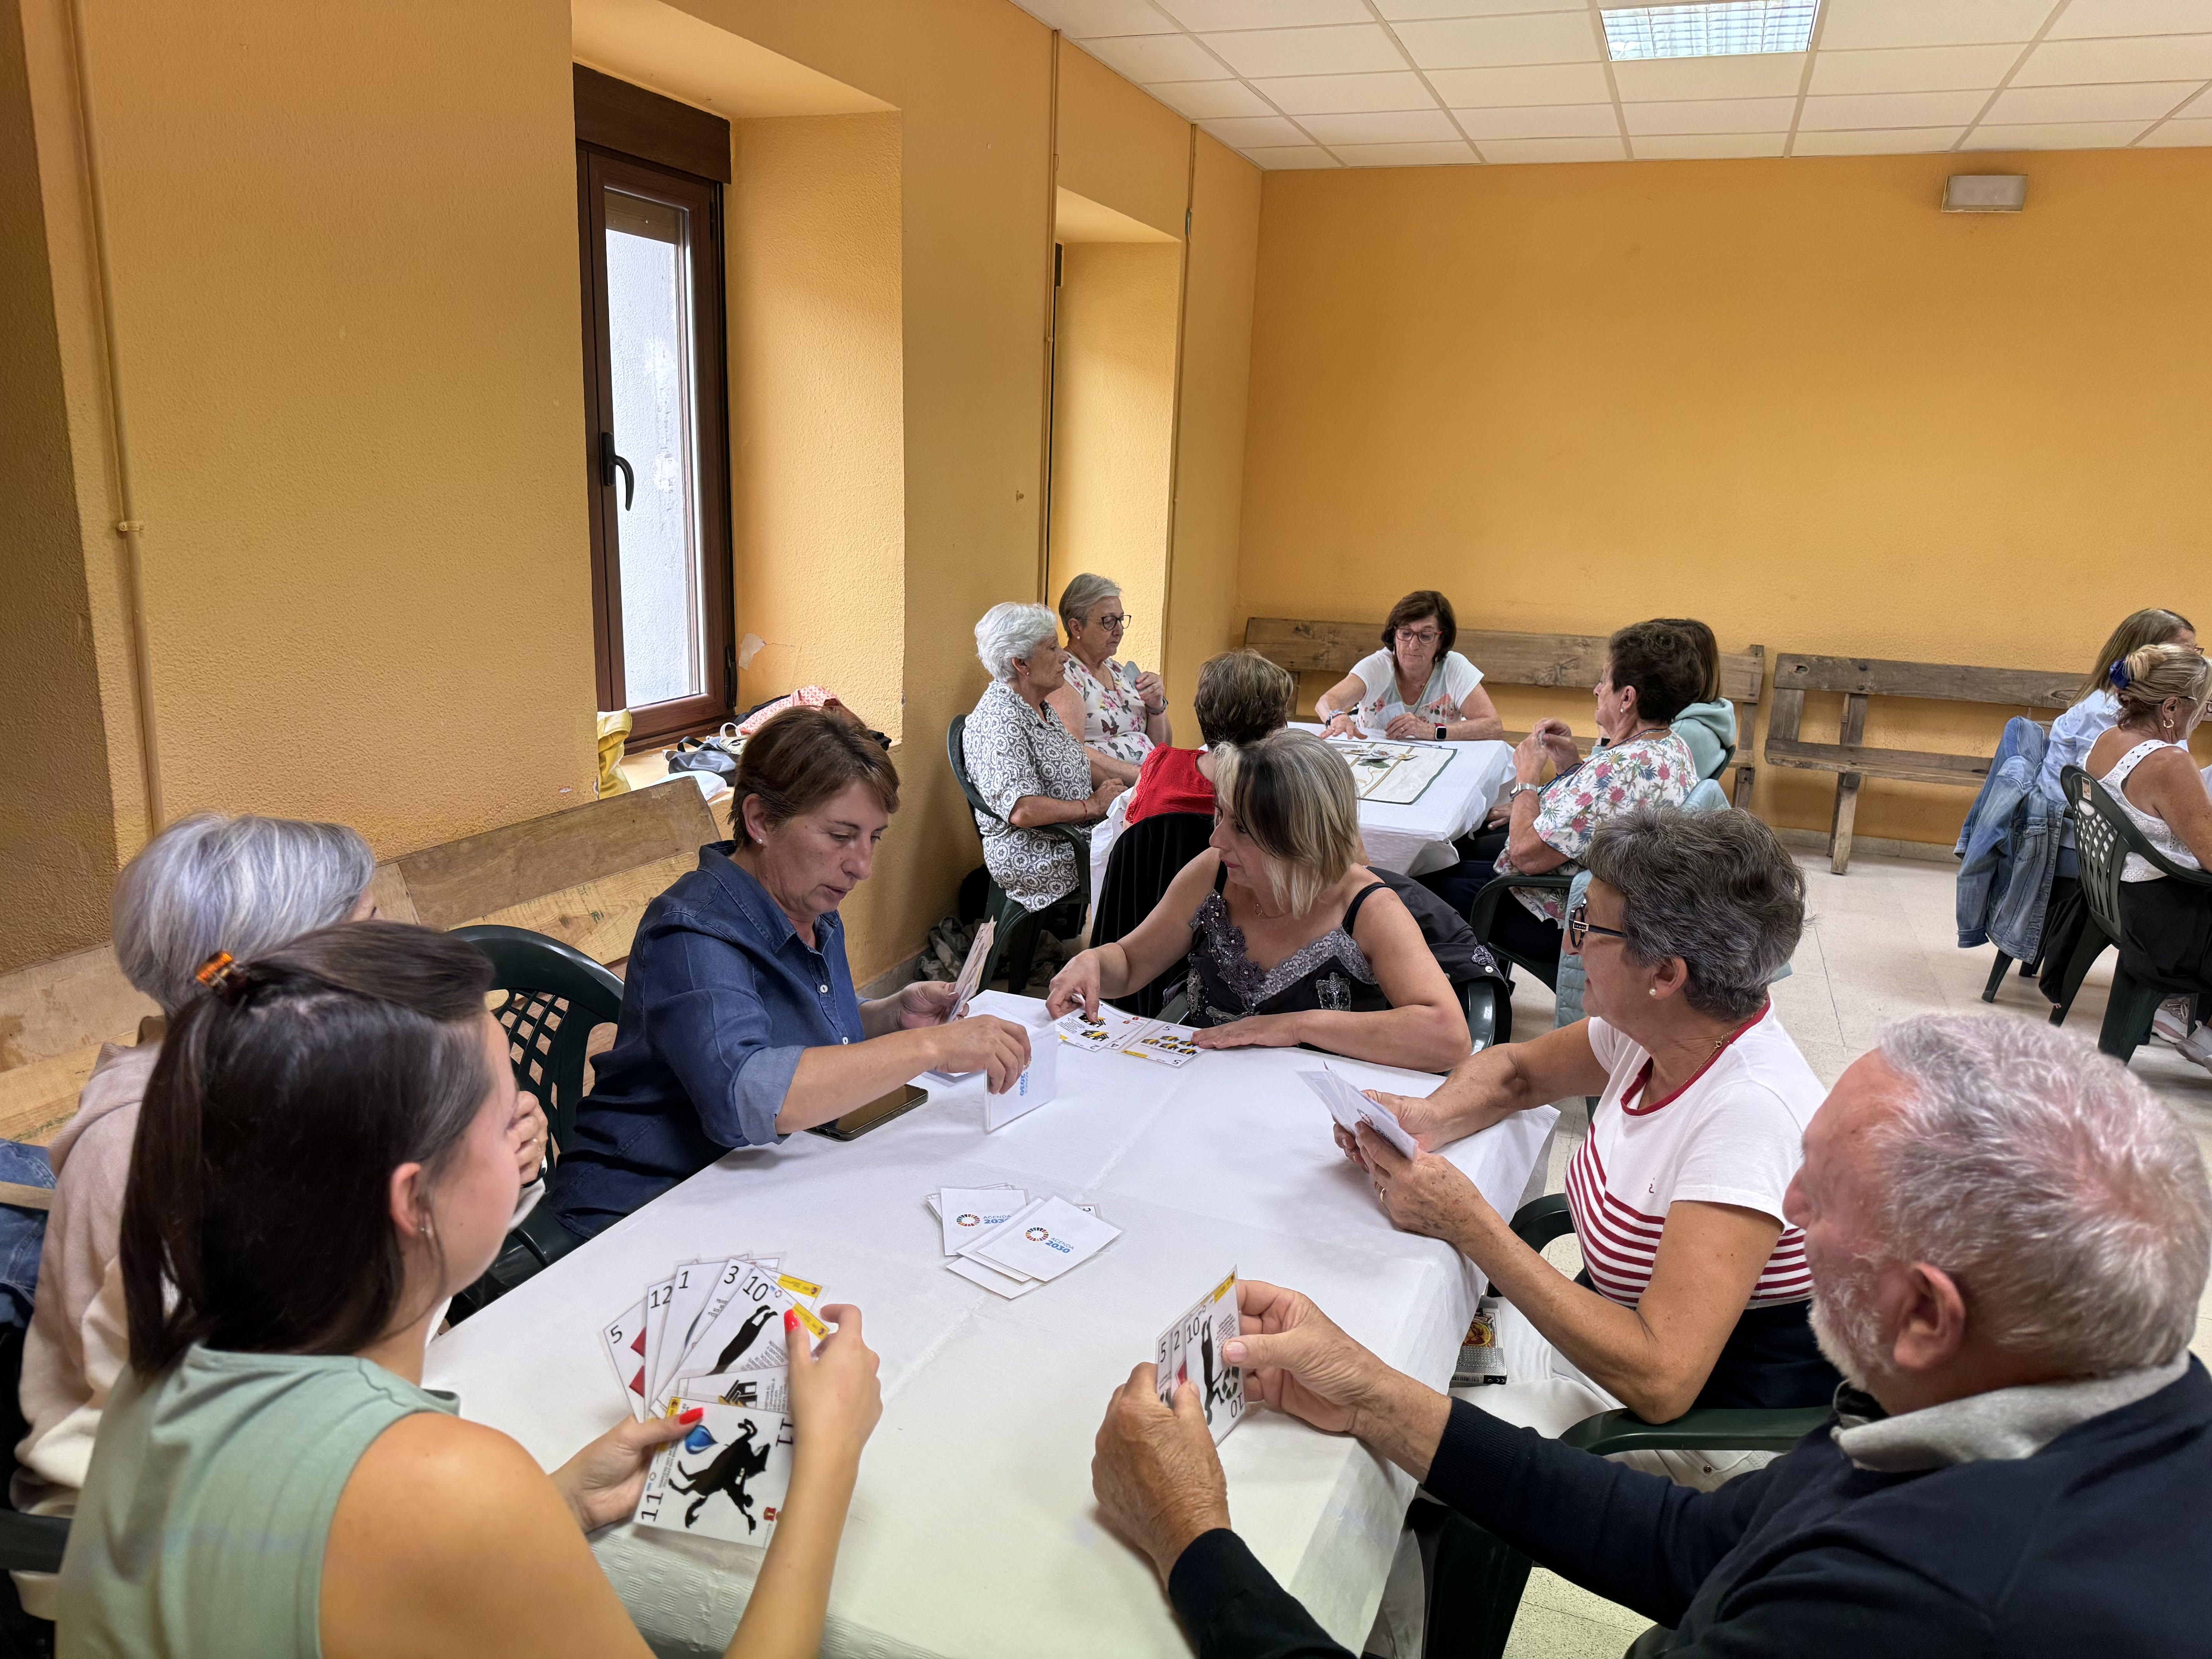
point(257, 1215)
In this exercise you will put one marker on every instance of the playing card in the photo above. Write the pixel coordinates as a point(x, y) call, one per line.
point(1351, 1109)
point(689, 1290)
point(971, 970)
point(1170, 1045)
point(1189, 1351)
point(657, 1299)
point(725, 1478)
point(968, 1212)
point(931, 1201)
point(1045, 1241)
point(767, 1390)
point(625, 1345)
point(747, 1334)
point(1105, 1035)
point(969, 1247)
point(975, 1273)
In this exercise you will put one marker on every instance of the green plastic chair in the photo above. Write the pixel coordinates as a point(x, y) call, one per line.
point(2104, 836)
point(555, 998)
point(1014, 946)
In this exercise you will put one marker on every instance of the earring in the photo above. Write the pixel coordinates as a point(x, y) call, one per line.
point(1652, 992)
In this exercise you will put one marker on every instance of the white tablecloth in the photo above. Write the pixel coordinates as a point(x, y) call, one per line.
point(973, 1531)
point(1418, 837)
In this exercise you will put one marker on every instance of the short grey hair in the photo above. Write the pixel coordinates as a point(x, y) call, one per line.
point(2065, 1199)
point(1013, 630)
point(243, 884)
point(1084, 594)
point(1716, 889)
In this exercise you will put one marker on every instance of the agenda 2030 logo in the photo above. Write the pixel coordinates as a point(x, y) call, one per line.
point(1043, 1236)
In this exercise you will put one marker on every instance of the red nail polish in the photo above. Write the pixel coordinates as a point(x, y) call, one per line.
point(693, 1415)
point(790, 1321)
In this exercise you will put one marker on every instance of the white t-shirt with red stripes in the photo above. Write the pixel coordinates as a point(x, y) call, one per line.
point(1733, 1134)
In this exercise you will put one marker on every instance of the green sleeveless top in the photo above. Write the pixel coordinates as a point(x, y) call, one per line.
point(201, 1528)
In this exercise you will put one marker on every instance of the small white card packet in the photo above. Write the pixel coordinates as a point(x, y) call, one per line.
point(997, 1283)
point(1045, 1240)
point(968, 1212)
point(1351, 1109)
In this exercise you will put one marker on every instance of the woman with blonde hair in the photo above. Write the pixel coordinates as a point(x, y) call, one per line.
point(2143, 763)
point(1289, 937)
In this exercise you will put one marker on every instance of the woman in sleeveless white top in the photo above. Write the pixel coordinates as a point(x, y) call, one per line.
point(2156, 830)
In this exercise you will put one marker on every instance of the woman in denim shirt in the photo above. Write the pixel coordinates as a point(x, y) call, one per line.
point(739, 1022)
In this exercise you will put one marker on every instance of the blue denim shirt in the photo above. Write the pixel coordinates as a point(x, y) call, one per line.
point(721, 998)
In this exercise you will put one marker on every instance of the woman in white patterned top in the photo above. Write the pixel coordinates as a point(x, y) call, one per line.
point(1026, 764)
point(1118, 712)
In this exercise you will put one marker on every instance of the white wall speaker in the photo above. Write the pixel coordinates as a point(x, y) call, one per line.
point(1985, 192)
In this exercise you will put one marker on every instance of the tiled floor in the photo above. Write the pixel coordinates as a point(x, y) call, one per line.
point(1880, 943)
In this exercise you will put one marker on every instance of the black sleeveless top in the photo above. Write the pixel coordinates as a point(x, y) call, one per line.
point(1225, 983)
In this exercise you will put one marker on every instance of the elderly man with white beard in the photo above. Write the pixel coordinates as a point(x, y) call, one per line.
point(2008, 1236)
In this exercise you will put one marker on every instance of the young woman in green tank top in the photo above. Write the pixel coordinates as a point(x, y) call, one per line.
point(322, 1159)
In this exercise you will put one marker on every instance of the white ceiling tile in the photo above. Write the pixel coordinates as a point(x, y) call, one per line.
point(2198, 106)
point(1148, 58)
point(1547, 37)
point(1079, 20)
point(1347, 94)
point(1407, 155)
point(2178, 132)
point(1912, 69)
point(1307, 51)
point(2087, 17)
point(1753, 75)
point(1711, 115)
point(1893, 109)
point(1293, 156)
point(2070, 63)
point(1241, 132)
point(1405, 127)
point(1399, 11)
point(2062, 134)
point(1544, 121)
point(1895, 140)
point(2128, 101)
point(1554, 149)
point(1209, 100)
point(1853, 23)
point(1552, 83)
point(1197, 15)
point(1706, 146)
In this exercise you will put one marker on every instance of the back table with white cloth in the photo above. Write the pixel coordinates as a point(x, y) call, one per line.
point(973, 1531)
point(1416, 837)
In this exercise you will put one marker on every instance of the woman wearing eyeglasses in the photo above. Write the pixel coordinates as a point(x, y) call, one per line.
point(1120, 714)
point(1416, 687)
point(1694, 1289)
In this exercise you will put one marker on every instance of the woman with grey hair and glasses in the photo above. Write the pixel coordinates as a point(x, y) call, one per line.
point(207, 884)
point(1119, 711)
point(1695, 1288)
point(1025, 762)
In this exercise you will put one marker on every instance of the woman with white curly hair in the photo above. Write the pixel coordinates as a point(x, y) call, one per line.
point(1025, 763)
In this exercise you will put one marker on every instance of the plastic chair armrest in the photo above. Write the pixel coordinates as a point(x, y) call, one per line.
point(1482, 912)
point(33, 1543)
point(1541, 1220)
point(1710, 1429)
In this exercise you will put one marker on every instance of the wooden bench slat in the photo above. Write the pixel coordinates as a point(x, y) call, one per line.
point(1571, 660)
point(1948, 681)
point(1910, 763)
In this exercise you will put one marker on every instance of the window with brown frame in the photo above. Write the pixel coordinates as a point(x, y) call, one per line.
point(649, 176)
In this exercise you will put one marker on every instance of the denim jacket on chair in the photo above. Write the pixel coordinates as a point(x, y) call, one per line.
point(2009, 848)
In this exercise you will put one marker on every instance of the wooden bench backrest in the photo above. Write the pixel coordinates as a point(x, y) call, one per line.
point(1576, 661)
point(1951, 682)
point(583, 876)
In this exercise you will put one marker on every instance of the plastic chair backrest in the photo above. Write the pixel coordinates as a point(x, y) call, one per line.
point(2104, 836)
point(556, 996)
point(956, 751)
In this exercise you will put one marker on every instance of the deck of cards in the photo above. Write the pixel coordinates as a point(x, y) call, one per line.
point(1010, 1243)
point(1351, 1109)
point(1115, 1032)
point(710, 1331)
point(1190, 1352)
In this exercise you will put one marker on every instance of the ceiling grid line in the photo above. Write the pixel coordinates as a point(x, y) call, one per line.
point(1805, 79)
point(1465, 137)
point(2188, 98)
point(2018, 65)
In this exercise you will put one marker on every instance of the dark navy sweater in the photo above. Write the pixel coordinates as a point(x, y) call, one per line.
point(2100, 1544)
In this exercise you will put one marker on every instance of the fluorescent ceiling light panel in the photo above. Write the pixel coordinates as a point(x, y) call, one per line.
point(1729, 29)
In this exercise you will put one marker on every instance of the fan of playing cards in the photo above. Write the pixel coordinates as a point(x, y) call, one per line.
point(710, 1337)
point(1114, 1031)
point(1190, 1352)
point(1001, 1239)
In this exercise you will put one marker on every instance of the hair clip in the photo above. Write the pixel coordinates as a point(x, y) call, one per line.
point(222, 975)
point(2118, 674)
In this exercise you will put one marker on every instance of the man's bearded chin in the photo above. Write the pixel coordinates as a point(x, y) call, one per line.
point(1847, 1324)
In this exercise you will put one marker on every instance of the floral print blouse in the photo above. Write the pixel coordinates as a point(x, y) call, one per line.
point(1653, 771)
point(1113, 715)
point(1014, 750)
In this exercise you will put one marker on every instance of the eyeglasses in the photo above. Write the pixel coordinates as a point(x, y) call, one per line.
point(1419, 635)
point(1113, 624)
point(1580, 927)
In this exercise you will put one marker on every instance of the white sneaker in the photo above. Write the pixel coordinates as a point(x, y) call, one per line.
point(2173, 1019)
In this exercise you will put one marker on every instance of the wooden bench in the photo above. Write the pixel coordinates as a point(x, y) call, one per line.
point(583, 876)
point(1566, 661)
point(1859, 678)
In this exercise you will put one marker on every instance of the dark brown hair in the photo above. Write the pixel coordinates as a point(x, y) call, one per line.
point(1662, 660)
point(803, 758)
point(1709, 654)
point(281, 1103)
point(1242, 696)
point(2152, 627)
point(1417, 606)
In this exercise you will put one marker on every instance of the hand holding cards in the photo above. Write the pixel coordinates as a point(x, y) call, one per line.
point(1351, 1109)
point(1189, 1351)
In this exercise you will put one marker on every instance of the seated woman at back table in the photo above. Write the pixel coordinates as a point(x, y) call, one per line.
point(1416, 687)
point(2166, 927)
point(1117, 711)
point(739, 1022)
point(1288, 938)
point(1706, 727)
point(324, 1157)
point(1653, 671)
point(1695, 1288)
point(1025, 762)
point(1242, 697)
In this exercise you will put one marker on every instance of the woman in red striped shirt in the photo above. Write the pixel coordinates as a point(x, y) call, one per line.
point(1695, 1288)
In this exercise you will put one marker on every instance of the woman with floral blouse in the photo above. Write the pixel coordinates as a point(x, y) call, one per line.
point(1119, 711)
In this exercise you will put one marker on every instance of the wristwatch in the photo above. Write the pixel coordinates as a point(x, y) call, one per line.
point(1521, 789)
point(1440, 735)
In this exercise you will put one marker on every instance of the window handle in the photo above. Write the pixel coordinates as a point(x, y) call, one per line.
point(608, 462)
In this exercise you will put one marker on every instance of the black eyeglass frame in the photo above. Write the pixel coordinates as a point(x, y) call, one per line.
point(1580, 927)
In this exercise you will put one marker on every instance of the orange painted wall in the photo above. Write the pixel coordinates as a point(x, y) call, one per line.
point(1788, 397)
